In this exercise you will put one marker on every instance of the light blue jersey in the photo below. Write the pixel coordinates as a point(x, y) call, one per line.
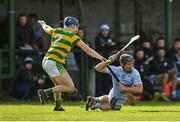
point(127, 79)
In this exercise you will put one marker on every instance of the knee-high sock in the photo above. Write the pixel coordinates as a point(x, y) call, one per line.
point(58, 101)
point(98, 105)
point(49, 92)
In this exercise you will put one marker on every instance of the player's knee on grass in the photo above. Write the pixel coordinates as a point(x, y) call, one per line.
point(116, 104)
point(106, 107)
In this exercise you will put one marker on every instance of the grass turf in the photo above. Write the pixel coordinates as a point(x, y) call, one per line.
point(75, 111)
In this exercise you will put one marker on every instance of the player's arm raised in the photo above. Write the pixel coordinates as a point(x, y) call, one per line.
point(102, 67)
point(48, 29)
point(91, 52)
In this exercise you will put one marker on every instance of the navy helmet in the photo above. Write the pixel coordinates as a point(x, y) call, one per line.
point(69, 21)
point(125, 58)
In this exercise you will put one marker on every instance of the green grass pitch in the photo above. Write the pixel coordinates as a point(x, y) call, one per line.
point(75, 111)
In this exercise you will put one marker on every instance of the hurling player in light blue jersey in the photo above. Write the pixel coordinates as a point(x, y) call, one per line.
point(129, 82)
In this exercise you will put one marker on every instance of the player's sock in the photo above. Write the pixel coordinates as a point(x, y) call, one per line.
point(48, 92)
point(98, 105)
point(58, 104)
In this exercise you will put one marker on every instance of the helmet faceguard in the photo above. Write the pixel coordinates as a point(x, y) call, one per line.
point(125, 58)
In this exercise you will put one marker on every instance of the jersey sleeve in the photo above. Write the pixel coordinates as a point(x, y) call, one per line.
point(114, 69)
point(76, 40)
point(52, 31)
point(136, 78)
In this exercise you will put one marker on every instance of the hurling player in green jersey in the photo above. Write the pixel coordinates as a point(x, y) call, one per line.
point(62, 41)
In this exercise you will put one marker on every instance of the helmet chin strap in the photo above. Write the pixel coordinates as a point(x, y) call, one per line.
point(65, 27)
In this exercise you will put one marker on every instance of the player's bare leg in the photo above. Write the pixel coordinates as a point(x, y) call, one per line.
point(101, 102)
point(105, 106)
point(57, 97)
point(66, 85)
point(104, 103)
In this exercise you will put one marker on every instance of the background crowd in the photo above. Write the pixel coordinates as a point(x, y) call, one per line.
point(159, 67)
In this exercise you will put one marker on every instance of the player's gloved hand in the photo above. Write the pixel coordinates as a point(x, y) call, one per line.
point(112, 58)
point(121, 87)
point(41, 22)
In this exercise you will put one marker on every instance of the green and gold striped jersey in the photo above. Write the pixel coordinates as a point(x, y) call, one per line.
point(62, 41)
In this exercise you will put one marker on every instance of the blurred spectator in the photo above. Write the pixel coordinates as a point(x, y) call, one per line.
point(143, 69)
point(146, 46)
point(176, 64)
point(78, 55)
point(104, 46)
point(164, 72)
point(172, 51)
point(160, 43)
point(39, 38)
point(104, 41)
point(139, 62)
point(24, 33)
point(23, 82)
point(23, 85)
